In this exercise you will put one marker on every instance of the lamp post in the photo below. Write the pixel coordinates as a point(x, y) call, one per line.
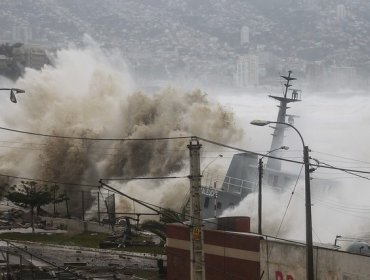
point(219, 156)
point(205, 182)
point(336, 239)
point(260, 175)
point(212, 161)
point(13, 91)
point(309, 243)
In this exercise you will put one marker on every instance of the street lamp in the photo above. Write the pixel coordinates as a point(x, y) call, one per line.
point(219, 156)
point(260, 175)
point(336, 239)
point(13, 91)
point(205, 181)
point(309, 243)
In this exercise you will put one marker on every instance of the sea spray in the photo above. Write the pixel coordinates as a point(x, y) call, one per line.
point(335, 126)
point(87, 93)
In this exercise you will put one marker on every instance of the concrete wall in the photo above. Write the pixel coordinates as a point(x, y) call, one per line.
point(77, 226)
point(227, 255)
point(287, 261)
point(233, 255)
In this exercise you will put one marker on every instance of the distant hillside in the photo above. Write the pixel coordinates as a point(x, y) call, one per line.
point(205, 35)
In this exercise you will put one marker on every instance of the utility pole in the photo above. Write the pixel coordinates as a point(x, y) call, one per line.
point(67, 208)
point(83, 205)
point(260, 175)
point(7, 261)
point(215, 200)
point(306, 161)
point(54, 190)
point(99, 205)
point(197, 271)
point(309, 244)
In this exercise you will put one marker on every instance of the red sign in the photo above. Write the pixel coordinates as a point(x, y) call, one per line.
point(280, 276)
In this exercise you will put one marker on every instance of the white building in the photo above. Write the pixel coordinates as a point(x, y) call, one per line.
point(341, 12)
point(247, 71)
point(244, 35)
point(21, 34)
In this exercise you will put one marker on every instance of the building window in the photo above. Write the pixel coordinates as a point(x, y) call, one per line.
point(219, 205)
point(276, 179)
point(206, 202)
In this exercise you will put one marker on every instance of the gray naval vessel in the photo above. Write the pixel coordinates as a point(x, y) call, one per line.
point(242, 175)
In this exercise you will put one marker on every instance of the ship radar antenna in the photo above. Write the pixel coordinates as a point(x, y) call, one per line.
point(288, 79)
point(278, 134)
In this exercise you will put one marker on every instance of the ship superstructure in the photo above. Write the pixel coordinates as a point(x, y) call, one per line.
point(242, 174)
point(279, 129)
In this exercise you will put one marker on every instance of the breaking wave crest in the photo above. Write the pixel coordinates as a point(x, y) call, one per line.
point(87, 92)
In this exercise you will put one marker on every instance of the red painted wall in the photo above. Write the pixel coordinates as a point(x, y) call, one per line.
point(220, 268)
point(232, 240)
point(217, 267)
point(178, 264)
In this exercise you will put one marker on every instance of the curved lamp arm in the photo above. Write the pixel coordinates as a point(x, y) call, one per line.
point(263, 123)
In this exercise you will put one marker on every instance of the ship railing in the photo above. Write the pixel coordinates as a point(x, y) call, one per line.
point(236, 185)
point(212, 180)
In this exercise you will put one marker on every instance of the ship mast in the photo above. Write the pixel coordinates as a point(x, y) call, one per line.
point(279, 129)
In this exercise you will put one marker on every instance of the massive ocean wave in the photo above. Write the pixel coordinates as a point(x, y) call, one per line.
point(88, 92)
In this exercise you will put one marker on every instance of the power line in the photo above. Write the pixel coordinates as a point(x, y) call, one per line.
point(345, 170)
point(338, 209)
point(140, 202)
point(290, 200)
point(92, 138)
point(278, 158)
point(42, 259)
point(173, 138)
point(243, 150)
point(48, 181)
point(145, 178)
point(146, 204)
point(342, 157)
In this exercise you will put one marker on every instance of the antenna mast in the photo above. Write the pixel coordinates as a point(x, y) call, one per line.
point(279, 129)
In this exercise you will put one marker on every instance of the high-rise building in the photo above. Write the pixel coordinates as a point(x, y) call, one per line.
point(244, 35)
point(341, 12)
point(247, 71)
point(21, 34)
point(30, 56)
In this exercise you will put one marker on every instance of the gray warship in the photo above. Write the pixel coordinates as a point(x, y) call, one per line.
point(242, 175)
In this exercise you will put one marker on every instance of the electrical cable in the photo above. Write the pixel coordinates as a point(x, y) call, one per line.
point(286, 209)
point(318, 238)
point(172, 138)
point(40, 258)
point(163, 213)
point(346, 171)
point(48, 181)
point(139, 202)
point(338, 209)
point(92, 138)
point(144, 178)
point(351, 159)
point(278, 158)
point(145, 204)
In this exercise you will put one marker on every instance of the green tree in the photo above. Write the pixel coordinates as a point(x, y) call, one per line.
point(30, 194)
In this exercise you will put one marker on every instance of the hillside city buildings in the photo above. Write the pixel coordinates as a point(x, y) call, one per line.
point(209, 44)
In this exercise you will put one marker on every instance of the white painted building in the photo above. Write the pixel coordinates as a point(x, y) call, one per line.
point(244, 35)
point(341, 12)
point(21, 34)
point(247, 71)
